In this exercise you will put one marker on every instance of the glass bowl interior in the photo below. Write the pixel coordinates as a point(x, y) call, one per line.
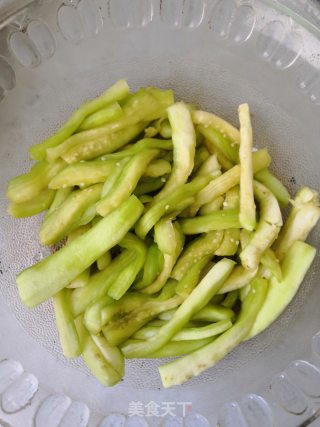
point(214, 54)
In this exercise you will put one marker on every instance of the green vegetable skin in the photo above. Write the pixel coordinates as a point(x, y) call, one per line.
point(65, 323)
point(200, 296)
point(117, 92)
point(127, 181)
point(170, 241)
point(220, 142)
point(294, 268)
point(145, 105)
point(32, 207)
point(174, 348)
point(187, 334)
point(59, 223)
point(126, 277)
point(181, 370)
point(151, 278)
point(40, 282)
point(199, 248)
point(219, 220)
point(210, 313)
point(83, 174)
point(25, 187)
point(96, 356)
point(101, 117)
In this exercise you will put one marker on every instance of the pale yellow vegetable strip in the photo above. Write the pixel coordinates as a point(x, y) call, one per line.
point(231, 178)
point(184, 145)
point(247, 214)
point(239, 278)
point(267, 229)
point(205, 118)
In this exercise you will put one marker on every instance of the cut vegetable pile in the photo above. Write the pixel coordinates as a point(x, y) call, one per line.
point(174, 242)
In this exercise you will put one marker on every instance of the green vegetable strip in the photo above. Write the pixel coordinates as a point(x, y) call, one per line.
point(165, 129)
point(213, 206)
point(212, 136)
point(231, 178)
point(180, 370)
point(102, 117)
point(201, 155)
point(231, 237)
point(158, 322)
point(168, 205)
point(92, 316)
point(275, 186)
point(247, 214)
point(94, 359)
point(145, 198)
point(217, 299)
point(143, 106)
point(168, 291)
point(104, 261)
point(224, 162)
point(38, 204)
point(203, 246)
point(184, 144)
point(29, 185)
point(113, 178)
point(87, 216)
point(59, 223)
point(209, 119)
point(219, 220)
point(149, 185)
point(83, 278)
point(271, 262)
point(245, 237)
point(210, 313)
point(230, 299)
point(49, 276)
point(59, 198)
point(175, 348)
point(157, 168)
point(170, 241)
point(83, 174)
point(68, 334)
point(187, 334)
point(239, 278)
point(126, 277)
point(121, 309)
point(198, 299)
point(267, 229)
point(301, 220)
point(125, 324)
point(295, 266)
point(210, 167)
point(191, 277)
point(117, 92)
point(152, 267)
point(127, 182)
point(97, 147)
point(111, 353)
point(143, 144)
point(99, 283)
point(151, 131)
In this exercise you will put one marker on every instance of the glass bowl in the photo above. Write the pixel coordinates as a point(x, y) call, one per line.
point(53, 56)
